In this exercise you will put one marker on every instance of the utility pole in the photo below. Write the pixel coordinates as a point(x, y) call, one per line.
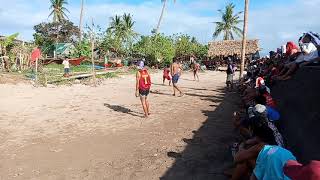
point(244, 38)
point(92, 51)
point(81, 19)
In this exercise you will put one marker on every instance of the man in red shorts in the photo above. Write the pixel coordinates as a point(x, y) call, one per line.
point(143, 85)
point(166, 75)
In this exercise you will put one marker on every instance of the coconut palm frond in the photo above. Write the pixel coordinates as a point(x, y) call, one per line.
point(228, 24)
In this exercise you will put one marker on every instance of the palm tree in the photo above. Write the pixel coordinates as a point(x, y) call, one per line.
point(116, 26)
point(58, 10)
point(128, 24)
point(244, 37)
point(229, 23)
point(164, 4)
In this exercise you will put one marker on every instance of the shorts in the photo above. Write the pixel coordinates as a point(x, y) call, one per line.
point(144, 93)
point(167, 77)
point(175, 78)
point(66, 70)
point(229, 78)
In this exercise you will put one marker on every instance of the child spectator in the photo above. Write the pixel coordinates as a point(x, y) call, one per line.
point(66, 65)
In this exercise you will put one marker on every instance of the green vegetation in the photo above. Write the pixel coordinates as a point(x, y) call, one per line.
point(47, 34)
point(109, 75)
point(58, 10)
point(229, 23)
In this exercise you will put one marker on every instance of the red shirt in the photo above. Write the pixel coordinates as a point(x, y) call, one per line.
point(145, 80)
point(36, 53)
point(270, 101)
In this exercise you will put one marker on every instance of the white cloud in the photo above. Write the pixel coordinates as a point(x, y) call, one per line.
point(279, 24)
point(273, 25)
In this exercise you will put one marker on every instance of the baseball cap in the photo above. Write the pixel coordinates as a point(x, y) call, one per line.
point(297, 171)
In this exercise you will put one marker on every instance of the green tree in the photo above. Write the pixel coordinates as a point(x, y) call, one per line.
point(58, 10)
point(116, 26)
point(120, 34)
point(83, 48)
point(229, 23)
point(186, 46)
point(157, 48)
point(164, 4)
point(46, 34)
point(8, 43)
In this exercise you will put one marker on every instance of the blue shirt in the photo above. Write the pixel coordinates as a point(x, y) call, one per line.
point(273, 115)
point(270, 163)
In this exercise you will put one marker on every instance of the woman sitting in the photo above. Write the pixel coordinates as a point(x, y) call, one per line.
point(309, 53)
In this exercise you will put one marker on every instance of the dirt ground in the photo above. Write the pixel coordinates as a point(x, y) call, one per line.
point(82, 132)
point(10, 78)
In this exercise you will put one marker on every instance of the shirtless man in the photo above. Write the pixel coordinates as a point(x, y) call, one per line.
point(195, 69)
point(175, 74)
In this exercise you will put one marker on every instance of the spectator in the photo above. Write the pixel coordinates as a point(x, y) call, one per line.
point(297, 171)
point(270, 163)
point(309, 53)
point(269, 100)
point(230, 74)
point(66, 65)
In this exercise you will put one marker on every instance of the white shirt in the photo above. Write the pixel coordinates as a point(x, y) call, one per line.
point(310, 51)
point(66, 64)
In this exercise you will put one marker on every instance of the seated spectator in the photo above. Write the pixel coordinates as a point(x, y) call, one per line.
point(248, 151)
point(270, 163)
point(272, 114)
point(297, 171)
point(269, 100)
point(291, 50)
point(261, 111)
point(309, 54)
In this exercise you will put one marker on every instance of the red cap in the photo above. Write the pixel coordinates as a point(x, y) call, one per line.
point(297, 171)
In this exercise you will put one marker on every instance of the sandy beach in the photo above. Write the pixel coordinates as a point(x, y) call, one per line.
point(83, 132)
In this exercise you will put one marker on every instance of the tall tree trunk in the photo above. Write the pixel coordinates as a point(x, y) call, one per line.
point(161, 16)
point(81, 18)
point(244, 38)
point(92, 55)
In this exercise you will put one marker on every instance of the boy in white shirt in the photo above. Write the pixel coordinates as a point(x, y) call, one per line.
point(66, 65)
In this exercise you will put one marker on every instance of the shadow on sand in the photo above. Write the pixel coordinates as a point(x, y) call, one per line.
point(189, 88)
point(207, 154)
point(124, 110)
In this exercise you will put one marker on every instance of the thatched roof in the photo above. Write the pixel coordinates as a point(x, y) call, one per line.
point(232, 47)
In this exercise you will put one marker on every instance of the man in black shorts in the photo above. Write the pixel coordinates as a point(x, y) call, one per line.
point(143, 85)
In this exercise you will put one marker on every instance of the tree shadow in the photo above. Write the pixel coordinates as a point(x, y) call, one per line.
point(208, 153)
point(211, 97)
point(190, 88)
point(124, 110)
point(187, 79)
point(160, 93)
point(200, 89)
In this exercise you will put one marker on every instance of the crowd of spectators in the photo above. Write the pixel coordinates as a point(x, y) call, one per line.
point(262, 154)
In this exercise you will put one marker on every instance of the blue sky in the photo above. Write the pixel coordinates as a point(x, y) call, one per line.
point(274, 22)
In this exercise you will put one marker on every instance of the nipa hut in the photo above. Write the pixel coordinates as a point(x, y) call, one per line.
point(232, 48)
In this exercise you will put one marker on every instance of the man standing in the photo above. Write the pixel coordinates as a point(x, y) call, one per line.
point(230, 73)
point(66, 65)
point(195, 69)
point(176, 73)
point(143, 85)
